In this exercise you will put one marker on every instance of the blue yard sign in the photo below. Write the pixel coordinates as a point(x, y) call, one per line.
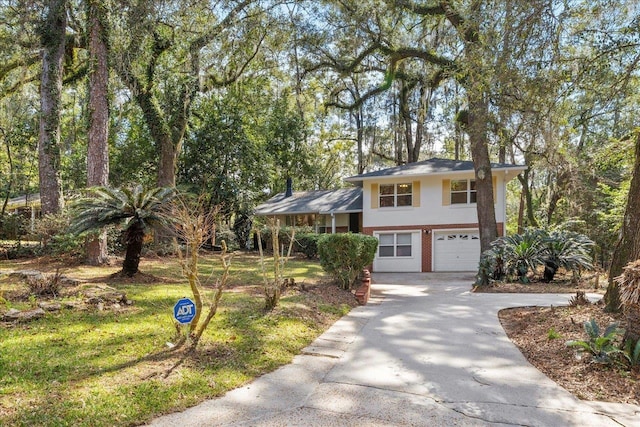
point(184, 311)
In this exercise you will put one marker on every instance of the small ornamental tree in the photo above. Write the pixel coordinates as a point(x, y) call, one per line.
point(275, 285)
point(138, 209)
point(194, 226)
point(344, 255)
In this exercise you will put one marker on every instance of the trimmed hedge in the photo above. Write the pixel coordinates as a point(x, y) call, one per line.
point(344, 255)
point(284, 236)
point(307, 243)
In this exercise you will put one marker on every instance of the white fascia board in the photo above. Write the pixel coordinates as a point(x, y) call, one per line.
point(515, 169)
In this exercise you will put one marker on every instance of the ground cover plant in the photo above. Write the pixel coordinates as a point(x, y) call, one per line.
point(112, 366)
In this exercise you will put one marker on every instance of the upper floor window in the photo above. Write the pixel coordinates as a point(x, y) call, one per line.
point(393, 195)
point(463, 191)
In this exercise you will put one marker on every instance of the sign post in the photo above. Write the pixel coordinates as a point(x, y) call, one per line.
point(184, 311)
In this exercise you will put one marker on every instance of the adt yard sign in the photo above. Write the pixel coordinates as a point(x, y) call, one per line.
point(184, 311)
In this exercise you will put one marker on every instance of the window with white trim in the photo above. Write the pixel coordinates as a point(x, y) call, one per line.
point(394, 245)
point(463, 191)
point(394, 195)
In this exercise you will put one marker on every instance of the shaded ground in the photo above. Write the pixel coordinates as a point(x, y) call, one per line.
point(541, 334)
point(562, 284)
point(105, 359)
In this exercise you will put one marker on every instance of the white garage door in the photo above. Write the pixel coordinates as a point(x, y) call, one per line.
point(456, 250)
point(398, 252)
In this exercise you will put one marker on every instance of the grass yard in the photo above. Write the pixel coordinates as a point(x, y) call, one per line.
point(112, 367)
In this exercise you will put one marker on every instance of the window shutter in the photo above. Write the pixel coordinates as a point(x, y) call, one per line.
point(415, 198)
point(446, 192)
point(495, 187)
point(375, 198)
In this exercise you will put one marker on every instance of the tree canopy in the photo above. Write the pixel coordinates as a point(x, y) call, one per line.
point(232, 97)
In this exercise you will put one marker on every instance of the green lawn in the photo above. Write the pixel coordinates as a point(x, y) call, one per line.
point(105, 368)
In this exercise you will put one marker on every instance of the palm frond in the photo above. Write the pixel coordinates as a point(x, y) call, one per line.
point(105, 206)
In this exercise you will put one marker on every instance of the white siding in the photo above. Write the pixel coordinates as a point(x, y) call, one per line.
point(431, 210)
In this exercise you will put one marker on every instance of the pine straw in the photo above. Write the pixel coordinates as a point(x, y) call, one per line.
point(541, 332)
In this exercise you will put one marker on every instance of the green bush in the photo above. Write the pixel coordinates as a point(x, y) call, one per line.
point(284, 236)
point(242, 226)
point(13, 226)
point(66, 244)
point(223, 232)
point(307, 243)
point(115, 240)
point(345, 255)
point(49, 226)
point(19, 250)
point(55, 239)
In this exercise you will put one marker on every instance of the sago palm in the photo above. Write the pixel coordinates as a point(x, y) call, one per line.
point(522, 253)
point(139, 210)
point(571, 251)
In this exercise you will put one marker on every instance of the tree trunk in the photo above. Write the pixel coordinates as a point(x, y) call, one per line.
point(134, 238)
point(397, 124)
point(98, 148)
point(628, 247)
point(632, 330)
point(478, 113)
point(358, 116)
point(405, 119)
point(52, 33)
point(167, 130)
point(526, 192)
point(423, 110)
point(521, 209)
point(167, 165)
point(9, 180)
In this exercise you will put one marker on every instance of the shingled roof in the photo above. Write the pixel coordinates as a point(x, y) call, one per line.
point(432, 166)
point(345, 200)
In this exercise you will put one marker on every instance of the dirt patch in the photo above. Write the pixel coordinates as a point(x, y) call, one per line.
point(541, 334)
point(139, 277)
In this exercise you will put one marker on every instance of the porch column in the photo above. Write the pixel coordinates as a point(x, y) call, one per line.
point(333, 223)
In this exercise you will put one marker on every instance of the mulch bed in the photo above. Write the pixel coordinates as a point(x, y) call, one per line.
point(541, 333)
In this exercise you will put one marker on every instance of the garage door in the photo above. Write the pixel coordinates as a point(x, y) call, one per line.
point(456, 250)
point(398, 252)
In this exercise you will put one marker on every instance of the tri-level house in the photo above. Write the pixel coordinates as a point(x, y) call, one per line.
point(423, 214)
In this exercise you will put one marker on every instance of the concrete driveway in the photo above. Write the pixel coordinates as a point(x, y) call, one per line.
point(424, 352)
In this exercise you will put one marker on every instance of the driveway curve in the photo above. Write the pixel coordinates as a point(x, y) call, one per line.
point(424, 352)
